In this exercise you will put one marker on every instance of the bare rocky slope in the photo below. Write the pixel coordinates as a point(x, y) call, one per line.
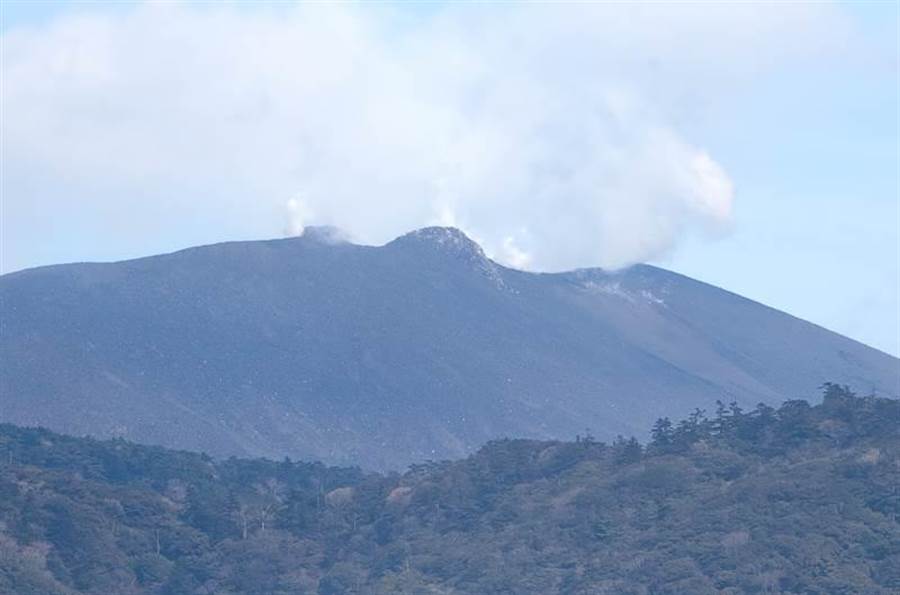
point(380, 356)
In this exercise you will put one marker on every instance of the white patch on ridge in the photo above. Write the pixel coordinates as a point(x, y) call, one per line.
point(615, 289)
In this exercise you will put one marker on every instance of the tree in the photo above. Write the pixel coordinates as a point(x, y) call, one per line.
point(627, 451)
point(661, 434)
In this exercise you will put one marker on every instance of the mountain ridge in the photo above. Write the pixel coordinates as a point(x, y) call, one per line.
point(331, 235)
point(384, 355)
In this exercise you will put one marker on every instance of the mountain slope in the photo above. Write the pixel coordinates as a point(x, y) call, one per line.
point(422, 348)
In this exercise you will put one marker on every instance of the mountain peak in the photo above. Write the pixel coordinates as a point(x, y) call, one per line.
point(447, 239)
point(451, 244)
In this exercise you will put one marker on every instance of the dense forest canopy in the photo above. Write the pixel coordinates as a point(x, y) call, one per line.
point(799, 499)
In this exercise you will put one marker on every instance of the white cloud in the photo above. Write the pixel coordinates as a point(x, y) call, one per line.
point(549, 132)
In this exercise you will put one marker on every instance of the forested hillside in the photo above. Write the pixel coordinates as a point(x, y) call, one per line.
point(800, 499)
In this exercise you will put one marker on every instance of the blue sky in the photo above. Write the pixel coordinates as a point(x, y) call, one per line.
point(815, 157)
point(798, 117)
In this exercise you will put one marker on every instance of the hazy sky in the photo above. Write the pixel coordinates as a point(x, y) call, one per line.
point(753, 146)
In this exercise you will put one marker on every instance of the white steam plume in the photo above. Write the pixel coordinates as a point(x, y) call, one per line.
point(545, 131)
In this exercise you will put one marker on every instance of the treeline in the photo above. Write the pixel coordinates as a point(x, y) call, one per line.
point(766, 431)
point(798, 499)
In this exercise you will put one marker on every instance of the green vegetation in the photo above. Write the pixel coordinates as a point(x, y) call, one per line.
point(800, 499)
